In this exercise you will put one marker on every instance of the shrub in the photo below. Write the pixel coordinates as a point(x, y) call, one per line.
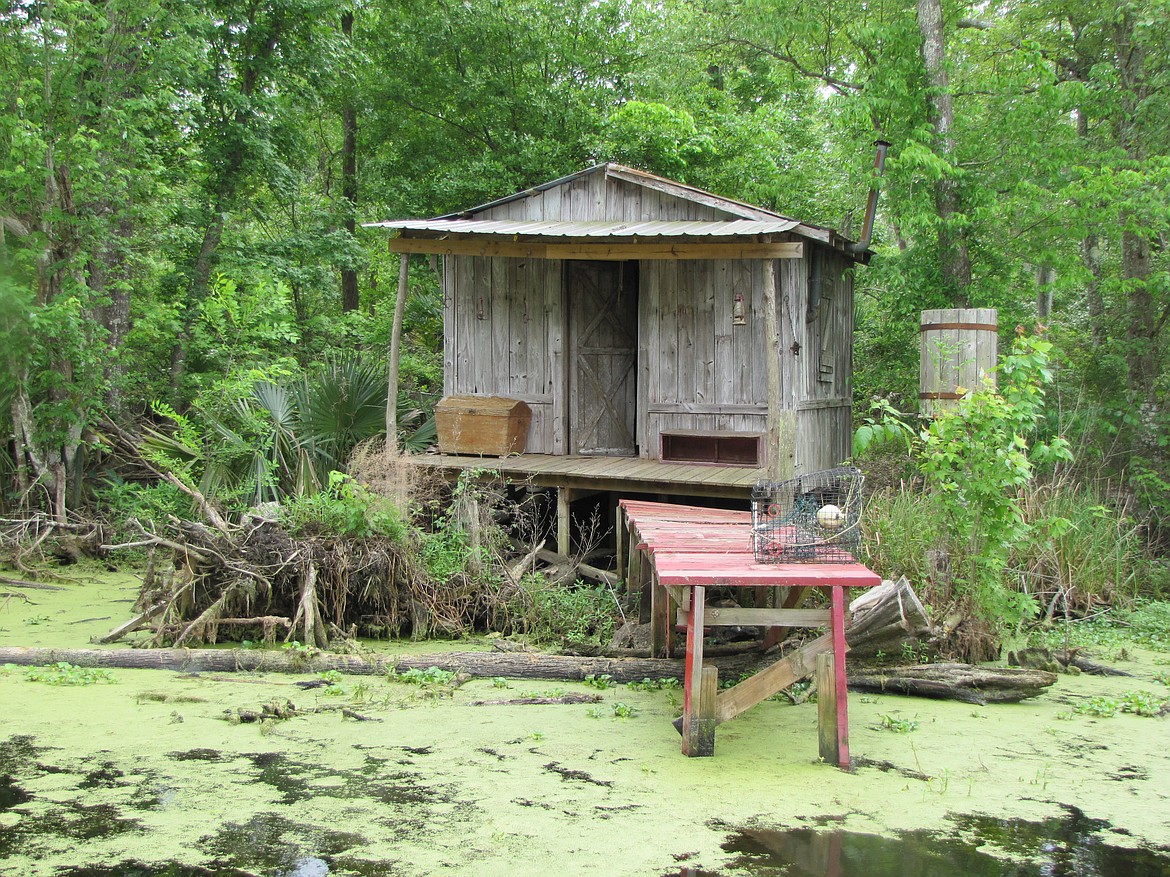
point(344, 508)
point(565, 615)
point(978, 457)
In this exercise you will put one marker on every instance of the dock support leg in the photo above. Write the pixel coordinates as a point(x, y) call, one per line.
point(660, 618)
point(619, 532)
point(700, 687)
point(640, 564)
point(564, 497)
point(827, 709)
point(837, 600)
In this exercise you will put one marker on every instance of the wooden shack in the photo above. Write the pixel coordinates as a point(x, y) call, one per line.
point(627, 312)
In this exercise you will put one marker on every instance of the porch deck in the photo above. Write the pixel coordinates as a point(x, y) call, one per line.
point(621, 474)
point(576, 476)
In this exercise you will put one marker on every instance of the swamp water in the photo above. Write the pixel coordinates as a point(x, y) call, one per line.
point(142, 776)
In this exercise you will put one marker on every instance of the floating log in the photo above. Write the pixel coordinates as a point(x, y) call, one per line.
point(886, 619)
point(480, 664)
point(962, 682)
point(24, 583)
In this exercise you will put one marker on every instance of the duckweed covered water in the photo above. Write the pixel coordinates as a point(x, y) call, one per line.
point(144, 777)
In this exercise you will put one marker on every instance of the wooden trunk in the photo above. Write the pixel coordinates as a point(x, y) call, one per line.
point(489, 425)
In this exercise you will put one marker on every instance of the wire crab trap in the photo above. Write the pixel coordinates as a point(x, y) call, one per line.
point(815, 518)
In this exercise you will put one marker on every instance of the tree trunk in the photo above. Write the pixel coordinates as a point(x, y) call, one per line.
point(1142, 323)
point(349, 189)
point(954, 253)
point(109, 278)
point(482, 664)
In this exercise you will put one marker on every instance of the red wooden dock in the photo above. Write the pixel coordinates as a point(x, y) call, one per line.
point(683, 550)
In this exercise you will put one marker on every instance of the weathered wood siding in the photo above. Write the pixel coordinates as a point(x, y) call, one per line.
point(697, 370)
point(503, 328)
point(598, 197)
point(824, 366)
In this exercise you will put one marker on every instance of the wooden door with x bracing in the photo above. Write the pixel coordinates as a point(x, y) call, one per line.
point(603, 336)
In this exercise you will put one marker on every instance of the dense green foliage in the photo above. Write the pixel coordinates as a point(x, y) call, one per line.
point(181, 187)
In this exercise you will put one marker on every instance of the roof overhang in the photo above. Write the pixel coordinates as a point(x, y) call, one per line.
point(537, 239)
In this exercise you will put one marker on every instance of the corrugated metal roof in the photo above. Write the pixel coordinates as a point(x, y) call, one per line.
point(568, 229)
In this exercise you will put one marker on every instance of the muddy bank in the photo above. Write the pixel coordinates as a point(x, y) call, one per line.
point(144, 769)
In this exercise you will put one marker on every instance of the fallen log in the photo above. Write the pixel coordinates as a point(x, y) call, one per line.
point(479, 664)
point(963, 682)
point(887, 619)
point(25, 583)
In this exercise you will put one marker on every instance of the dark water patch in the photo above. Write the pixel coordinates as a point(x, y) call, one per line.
point(270, 842)
point(70, 821)
point(105, 777)
point(1129, 772)
point(18, 753)
point(284, 775)
point(152, 794)
point(163, 869)
point(197, 755)
point(567, 774)
point(365, 867)
point(301, 781)
point(1067, 846)
point(11, 795)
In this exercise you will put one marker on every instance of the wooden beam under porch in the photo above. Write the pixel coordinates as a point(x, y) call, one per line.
point(577, 476)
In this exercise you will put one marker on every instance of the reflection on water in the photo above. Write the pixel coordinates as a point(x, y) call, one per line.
point(1068, 846)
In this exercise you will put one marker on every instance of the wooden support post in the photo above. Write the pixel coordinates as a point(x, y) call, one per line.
point(837, 601)
point(645, 588)
point(564, 520)
point(698, 718)
point(827, 709)
point(772, 370)
point(619, 537)
point(661, 618)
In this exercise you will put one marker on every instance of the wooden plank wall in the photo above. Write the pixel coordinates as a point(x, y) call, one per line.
point(596, 197)
point(825, 367)
point(697, 370)
point(503, 336)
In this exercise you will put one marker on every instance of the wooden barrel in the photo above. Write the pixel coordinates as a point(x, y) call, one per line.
point(958, 349)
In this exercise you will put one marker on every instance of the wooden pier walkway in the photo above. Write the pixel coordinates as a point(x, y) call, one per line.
point(680, 552)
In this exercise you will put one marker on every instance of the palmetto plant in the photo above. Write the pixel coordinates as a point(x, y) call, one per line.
point(283, 438)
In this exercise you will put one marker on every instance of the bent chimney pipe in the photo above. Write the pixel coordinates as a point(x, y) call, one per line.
point(879, 167)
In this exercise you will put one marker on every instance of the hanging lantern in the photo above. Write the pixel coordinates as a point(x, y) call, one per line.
point(737, 313)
